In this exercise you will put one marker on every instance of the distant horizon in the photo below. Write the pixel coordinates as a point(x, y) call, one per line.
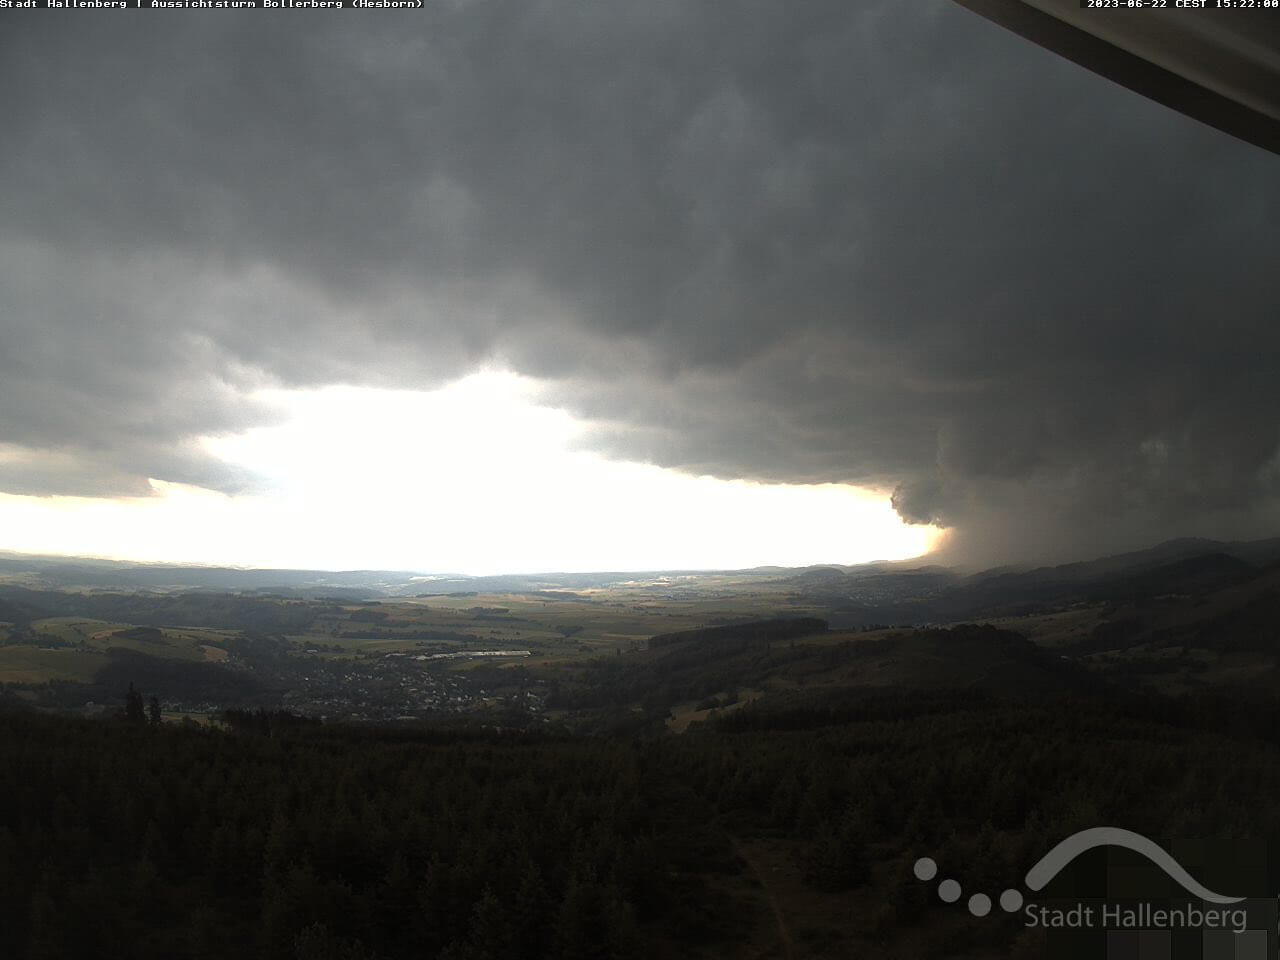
point(433, 574)
point(931, 559)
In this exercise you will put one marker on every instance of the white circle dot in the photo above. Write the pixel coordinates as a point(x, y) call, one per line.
point(1011, 900)
point(949, 891)
point(979, 904)
point(925, 869)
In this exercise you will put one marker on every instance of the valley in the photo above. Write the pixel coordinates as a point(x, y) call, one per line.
point(743, 765)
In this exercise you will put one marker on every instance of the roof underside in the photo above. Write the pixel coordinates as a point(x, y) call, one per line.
point(1220, 66)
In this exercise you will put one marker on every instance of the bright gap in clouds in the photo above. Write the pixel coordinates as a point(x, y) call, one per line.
point(472, 478)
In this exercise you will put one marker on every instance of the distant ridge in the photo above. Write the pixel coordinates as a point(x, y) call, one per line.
point(1255, 552)
point(918, 592)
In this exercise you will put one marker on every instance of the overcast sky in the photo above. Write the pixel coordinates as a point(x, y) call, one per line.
point(879, 244)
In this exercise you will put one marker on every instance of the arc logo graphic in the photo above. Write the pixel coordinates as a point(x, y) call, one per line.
point(1053, 862)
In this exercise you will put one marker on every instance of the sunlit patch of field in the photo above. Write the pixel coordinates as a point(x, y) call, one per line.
point(76, 630)
point(381, 646)
point(28, 664)
point(468, 664)
point(1058, 629)
point(555, 630)
point(323, 642)
point(601, 615)
point(165, 650)
point(179, 644)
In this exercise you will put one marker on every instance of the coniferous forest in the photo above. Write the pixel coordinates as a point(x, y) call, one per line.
point(273, 836)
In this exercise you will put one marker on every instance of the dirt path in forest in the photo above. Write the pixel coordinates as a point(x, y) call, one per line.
point(784, 935)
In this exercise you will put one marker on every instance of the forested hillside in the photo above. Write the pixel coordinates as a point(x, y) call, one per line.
point(308, 840)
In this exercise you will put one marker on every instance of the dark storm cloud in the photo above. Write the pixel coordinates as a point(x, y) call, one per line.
point(883, 243)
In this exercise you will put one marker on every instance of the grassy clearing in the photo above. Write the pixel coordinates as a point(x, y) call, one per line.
point(77, 630)
point(27, 664)
point(687, 713)
point(1058, 629)
point(99, 636)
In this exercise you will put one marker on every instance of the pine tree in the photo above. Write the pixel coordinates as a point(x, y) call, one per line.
point(133, 709)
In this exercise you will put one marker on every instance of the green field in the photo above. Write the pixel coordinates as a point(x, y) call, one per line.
point(20, 663)
point(179, 643)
